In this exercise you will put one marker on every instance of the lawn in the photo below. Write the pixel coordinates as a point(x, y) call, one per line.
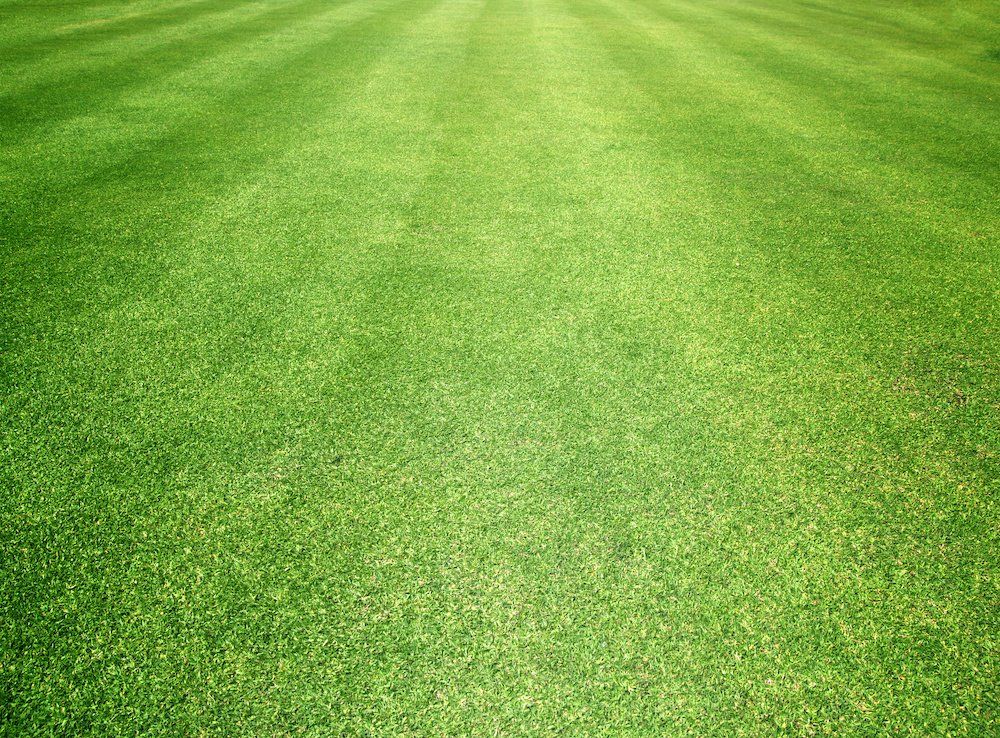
point(500, 367)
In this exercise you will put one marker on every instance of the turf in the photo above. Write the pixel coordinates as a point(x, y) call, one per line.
point(499, 367)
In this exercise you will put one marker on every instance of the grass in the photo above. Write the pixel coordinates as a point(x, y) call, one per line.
point(499, 367)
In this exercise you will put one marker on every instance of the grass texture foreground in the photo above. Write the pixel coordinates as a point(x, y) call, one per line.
point(499, 367)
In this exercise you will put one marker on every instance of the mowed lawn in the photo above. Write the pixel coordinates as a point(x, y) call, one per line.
point(499, 367)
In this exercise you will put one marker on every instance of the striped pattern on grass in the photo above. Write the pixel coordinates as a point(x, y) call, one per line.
point(499, 367)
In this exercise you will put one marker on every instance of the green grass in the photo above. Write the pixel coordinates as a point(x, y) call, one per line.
point(499, 367)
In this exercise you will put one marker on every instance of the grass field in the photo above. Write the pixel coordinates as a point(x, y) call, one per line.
point(500, 367)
